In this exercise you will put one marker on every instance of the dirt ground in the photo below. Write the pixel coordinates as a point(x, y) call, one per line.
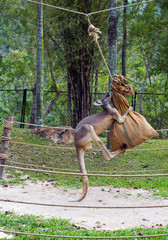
point(90, 218)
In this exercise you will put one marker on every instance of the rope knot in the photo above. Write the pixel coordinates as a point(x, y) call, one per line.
point(93, 31)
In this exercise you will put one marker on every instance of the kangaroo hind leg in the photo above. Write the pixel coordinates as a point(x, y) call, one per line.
point(103, 148)
point(107, 154)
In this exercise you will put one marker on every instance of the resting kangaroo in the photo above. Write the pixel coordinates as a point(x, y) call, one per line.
point(87, 131)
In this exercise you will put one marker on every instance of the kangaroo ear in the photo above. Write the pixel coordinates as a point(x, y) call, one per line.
point(98, 102)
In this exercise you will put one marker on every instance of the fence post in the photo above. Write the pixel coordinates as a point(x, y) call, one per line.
point(135, 100)
point(23, 108)
point(7, 127)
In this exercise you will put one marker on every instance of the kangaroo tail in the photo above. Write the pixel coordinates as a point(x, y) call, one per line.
point(80, 155)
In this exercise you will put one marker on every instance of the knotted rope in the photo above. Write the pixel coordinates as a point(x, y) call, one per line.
point(5, 138)
point(3, 156)
point(8, 124)
point(94, 32)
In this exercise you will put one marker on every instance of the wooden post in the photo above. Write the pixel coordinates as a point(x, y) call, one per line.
point(7, 127)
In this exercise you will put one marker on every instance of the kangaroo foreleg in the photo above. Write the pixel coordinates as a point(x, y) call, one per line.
point(121, 119)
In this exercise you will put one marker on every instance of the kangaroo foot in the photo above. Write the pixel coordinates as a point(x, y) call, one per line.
point(118, 152)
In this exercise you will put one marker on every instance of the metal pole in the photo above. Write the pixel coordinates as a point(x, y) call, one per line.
point(23, 108)
point(135, 100)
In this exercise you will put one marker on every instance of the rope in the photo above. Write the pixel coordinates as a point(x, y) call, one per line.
point(60, 8)
point(3, 156)
point(93, 31)
point(160, 130)
point(68, 127)
point(8, 124)
point(75, 170)
point(5, 138)
point(146, 149)
point(82, 206)
point(91, 13)
point(81, 237)
point(84, 174)
point(95, 150)
point(36, 125)
point(124, 6)
point(43, 146)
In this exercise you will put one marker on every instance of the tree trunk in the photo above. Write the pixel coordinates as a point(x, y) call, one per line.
point(57, 93)
point(34, 62)
point(33, 112)
point(51, 105)
point(81, 95)
point(124, 39)
point(69, 105)
point(39, 76)
point(112, 36)
point(96, 82)
point(142, 92)
point(147, 61)
point(78, 55)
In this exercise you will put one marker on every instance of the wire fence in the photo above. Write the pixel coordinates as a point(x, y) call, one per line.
point(18, 103)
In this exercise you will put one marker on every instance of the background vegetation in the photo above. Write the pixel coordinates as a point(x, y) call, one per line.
point(71, 58)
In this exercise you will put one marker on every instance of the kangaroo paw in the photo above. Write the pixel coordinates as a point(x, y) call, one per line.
point(130, 109)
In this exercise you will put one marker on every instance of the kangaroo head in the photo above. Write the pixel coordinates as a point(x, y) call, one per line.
point(104, 101)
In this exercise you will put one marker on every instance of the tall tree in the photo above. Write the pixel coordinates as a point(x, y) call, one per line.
point(112, 36)
point(124, 39)
point(39, 71)
point(70, 33)
point(79, 67)
point(79, 55)
point(146, 26)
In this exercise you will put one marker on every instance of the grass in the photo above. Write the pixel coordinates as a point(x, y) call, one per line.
point(56, 158)
point(62, 227)
point(63, 159)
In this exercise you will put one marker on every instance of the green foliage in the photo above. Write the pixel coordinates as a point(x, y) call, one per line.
point(16, 66)
point(147, 53)
point(62, 227)
point(58, 116)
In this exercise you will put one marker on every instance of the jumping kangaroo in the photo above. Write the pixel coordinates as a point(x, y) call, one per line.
point(87, 131)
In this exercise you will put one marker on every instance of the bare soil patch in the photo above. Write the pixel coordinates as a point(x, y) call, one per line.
point(90, 218)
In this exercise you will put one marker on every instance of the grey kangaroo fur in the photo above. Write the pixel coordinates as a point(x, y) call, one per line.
point(87, 131)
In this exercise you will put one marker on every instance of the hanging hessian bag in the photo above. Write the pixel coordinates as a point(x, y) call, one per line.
point(135, 130)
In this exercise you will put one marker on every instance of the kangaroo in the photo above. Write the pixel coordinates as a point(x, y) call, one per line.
point(87, 131)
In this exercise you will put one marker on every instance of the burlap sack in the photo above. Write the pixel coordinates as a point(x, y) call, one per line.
point(135, 130)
